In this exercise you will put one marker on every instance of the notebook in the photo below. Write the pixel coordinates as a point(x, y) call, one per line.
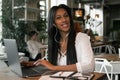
point(14, 63)
point(70, 75)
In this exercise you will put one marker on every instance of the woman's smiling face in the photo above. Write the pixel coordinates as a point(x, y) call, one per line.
point(62, 20)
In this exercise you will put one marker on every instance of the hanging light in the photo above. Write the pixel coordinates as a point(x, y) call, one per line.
point(79, 11)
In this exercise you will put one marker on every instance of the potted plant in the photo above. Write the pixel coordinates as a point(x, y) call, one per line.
point(40, 25)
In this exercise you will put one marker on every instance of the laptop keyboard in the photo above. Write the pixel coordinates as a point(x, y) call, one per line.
point(34, 71)
point(29, 72)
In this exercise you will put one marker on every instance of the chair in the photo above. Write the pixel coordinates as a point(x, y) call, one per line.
point(103, 66)
point(116, 70)
point(107, 49)
point(97, 49)
point(46, 55)
point(112, 49)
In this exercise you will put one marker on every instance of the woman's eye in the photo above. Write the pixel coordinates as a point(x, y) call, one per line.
point(66, 15)
point(58, 17)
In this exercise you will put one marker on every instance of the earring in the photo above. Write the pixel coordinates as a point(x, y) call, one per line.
point(54, 25)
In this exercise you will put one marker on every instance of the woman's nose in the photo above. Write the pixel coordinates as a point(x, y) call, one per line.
point(63, 19)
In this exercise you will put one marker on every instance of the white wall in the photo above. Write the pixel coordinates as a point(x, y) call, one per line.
point(92, 13)
point(57, 2)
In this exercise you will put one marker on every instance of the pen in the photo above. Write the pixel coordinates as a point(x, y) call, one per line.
point(45, 58)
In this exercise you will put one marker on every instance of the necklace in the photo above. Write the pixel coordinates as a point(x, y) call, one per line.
point(62, 53)
point(63, 46)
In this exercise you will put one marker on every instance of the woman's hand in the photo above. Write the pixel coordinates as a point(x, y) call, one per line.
point(44, 63)
point(27, 64)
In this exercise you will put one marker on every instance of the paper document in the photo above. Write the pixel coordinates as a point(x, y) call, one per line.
point(81, 76)
point(62, 74)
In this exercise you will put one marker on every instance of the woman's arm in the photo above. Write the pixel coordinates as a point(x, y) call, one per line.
point(46, 63)
point(85, 56)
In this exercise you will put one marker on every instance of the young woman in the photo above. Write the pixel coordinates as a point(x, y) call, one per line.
point(67, 50)
point(34, 46)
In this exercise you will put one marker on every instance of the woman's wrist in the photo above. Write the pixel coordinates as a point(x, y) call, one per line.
point(53, 68)
point(56, 68)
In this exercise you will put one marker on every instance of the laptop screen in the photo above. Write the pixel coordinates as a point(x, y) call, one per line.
point(12, 55)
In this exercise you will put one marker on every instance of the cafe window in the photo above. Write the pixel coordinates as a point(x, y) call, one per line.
point(57, 2)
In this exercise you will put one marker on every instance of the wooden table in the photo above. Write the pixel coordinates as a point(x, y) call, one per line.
point(110, 57)
point(99, 76)
point(7, 74)
point(4, 76)
point(100, 43)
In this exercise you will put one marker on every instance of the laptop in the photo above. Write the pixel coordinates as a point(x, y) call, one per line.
point(14, 63)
